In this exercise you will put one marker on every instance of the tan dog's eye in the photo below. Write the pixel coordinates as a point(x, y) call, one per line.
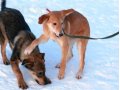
point(54, 23)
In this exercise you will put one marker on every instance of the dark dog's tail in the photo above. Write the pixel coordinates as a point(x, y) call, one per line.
point(3, 4)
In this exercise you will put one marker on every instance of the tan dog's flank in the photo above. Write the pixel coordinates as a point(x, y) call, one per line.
point(72, 22)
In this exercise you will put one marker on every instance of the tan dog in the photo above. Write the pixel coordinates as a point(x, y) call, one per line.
point(72, 22)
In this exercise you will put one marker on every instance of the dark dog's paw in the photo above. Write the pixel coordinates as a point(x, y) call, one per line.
point(6, 62)
point(22, 85)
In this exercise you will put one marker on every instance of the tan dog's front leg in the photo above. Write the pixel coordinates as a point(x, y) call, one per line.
point(42, 38)
point(69, 56)
point(65, 49)
point(16, 70)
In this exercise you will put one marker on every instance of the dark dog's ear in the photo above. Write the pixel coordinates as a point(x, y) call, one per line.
point(43, 18)
point(27, 64)
point(43, 55)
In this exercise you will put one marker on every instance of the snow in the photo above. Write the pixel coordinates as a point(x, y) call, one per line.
point(101, 62)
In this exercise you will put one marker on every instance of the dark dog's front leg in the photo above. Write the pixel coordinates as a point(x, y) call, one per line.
point(16, 70)
point(15, 65)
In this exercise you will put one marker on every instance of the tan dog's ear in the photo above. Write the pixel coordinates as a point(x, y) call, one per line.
point(67, 12)
point(43, 18)
point(48, 10)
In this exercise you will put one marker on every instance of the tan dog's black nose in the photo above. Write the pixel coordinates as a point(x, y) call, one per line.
point(61, 34)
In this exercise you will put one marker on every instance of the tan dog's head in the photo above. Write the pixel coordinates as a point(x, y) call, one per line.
point(35, 64)
point(55, 20)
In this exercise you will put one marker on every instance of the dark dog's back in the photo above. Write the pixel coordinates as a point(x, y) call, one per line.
point(16, 29)
point(16, 22)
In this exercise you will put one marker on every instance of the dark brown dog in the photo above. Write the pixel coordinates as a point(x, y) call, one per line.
point(14, 29)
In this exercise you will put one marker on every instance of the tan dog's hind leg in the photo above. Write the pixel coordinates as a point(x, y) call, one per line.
point(70, 53)
point(30, 48)
point(81, 44)
point(65, 49)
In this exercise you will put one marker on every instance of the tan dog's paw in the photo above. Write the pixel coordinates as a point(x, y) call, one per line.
point(22, 85)
point(60, 76)
point(27, 51)
point(58, 65)
point(78, 75)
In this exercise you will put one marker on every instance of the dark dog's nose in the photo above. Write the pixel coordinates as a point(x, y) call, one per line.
point(40, 74)
point(47, 81)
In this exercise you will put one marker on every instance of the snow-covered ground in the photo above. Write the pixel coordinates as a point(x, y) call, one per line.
point(101, 63)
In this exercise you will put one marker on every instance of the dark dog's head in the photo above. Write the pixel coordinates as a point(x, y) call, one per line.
point(36, 65)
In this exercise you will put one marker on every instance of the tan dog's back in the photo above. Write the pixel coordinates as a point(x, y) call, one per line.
point(78, 24)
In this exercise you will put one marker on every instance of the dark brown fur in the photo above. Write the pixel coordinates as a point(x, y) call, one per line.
point(14, 29)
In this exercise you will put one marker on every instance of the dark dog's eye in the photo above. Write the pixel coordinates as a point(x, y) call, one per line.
point(40, 74)
point(54, 23)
